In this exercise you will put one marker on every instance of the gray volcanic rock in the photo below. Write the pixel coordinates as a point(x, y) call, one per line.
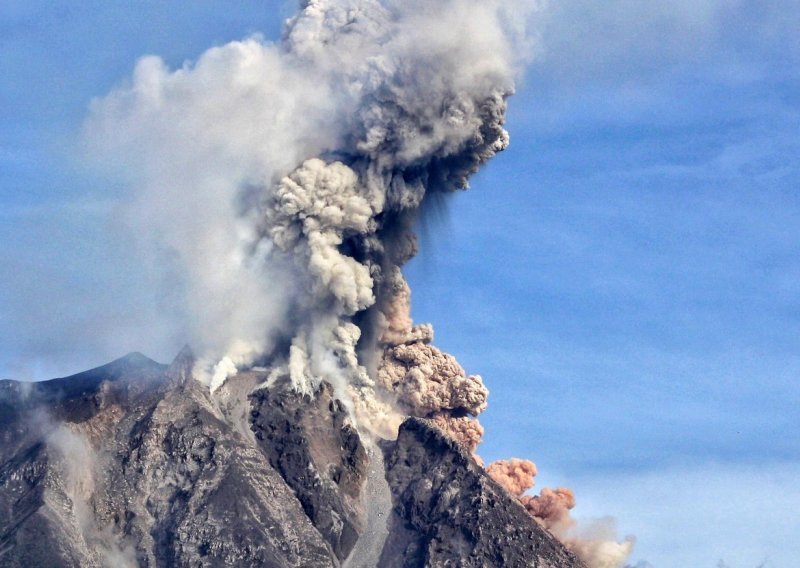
point(449, 512)
point(142, 468)
point(319, 455)
point(137, 464)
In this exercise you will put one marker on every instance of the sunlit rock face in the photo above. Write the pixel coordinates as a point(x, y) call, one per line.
point(136, 464)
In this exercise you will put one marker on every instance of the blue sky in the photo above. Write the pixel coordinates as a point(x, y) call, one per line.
point(625, 277)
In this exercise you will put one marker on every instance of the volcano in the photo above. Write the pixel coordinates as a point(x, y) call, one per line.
point(136, 464)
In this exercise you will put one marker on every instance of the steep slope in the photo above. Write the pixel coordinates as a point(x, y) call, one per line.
point(448, 512)
point(136, 464)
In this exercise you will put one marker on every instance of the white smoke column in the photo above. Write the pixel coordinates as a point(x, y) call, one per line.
point(281, 181)
point(188, 142)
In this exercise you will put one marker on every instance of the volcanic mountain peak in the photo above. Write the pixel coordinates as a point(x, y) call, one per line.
point(136, 464)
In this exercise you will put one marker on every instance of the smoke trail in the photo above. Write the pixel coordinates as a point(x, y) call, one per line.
point(595, 543)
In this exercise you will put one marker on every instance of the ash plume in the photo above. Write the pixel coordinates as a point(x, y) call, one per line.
point(551, 507)
point(427, 381)
point(515, 475)
point(279, 183)
point(465, 430)
point(595, 543)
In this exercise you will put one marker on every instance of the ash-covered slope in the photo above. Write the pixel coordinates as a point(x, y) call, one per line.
point(136, 464)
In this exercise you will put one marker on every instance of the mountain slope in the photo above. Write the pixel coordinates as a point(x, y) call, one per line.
point(136, 464)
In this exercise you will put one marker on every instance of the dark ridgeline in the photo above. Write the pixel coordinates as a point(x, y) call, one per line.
point(133, 464)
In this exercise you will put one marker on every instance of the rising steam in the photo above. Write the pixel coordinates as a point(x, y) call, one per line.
point(280, 183)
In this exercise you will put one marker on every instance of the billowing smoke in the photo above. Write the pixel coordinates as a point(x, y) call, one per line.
point(427, 381)
point(465, 430)
point(280, 183)
point(551, 507)
point(422, 380)
point(515, 475)
point(595, 543)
